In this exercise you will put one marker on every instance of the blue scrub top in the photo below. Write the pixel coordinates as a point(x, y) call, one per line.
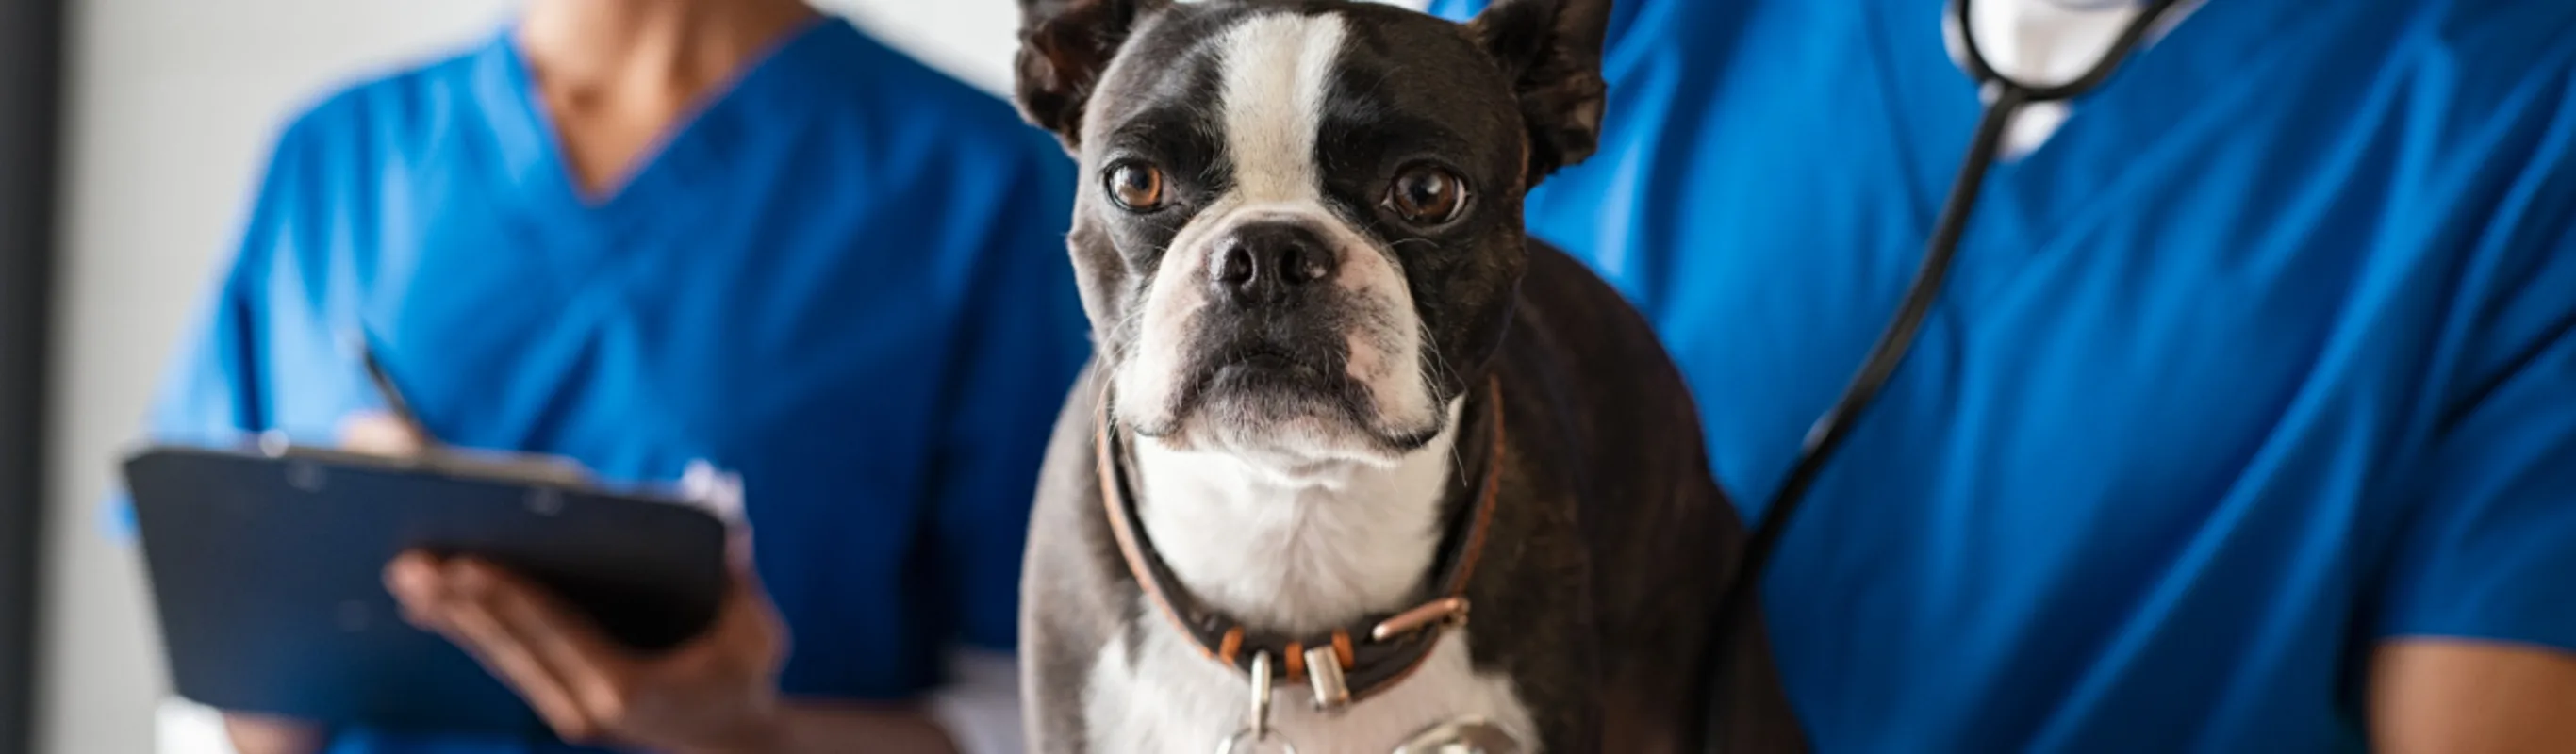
point(2268, 356)
point(845, 280)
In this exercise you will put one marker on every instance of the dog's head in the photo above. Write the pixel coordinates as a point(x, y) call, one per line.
point(1299, 231)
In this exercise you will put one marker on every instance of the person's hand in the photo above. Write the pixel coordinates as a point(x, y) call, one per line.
point(717, 693)
point(380, 434)
point(257, 734)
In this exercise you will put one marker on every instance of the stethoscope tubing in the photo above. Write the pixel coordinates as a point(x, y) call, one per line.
point(1896, 339)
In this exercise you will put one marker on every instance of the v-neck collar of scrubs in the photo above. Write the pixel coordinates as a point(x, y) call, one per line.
point(2038, 201)
point(691, 146)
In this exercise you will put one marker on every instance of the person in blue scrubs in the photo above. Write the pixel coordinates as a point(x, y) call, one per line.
point(649, 234)
point(2247, 420)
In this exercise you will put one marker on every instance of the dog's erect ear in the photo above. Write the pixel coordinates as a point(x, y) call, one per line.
point(1551, 49)
point(1064, 47)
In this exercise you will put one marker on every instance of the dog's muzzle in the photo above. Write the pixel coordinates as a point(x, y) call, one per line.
point(1271, 265)
point(1276, 321)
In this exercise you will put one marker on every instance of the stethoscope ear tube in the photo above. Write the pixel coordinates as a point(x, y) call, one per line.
point(1734, 616)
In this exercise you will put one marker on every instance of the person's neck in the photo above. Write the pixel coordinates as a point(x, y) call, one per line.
point(614, 75)
point(584, 49)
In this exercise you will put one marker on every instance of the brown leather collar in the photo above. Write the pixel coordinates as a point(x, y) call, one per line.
point(1371, 655)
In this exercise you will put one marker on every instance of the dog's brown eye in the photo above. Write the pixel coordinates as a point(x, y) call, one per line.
point(1137, 186)
point(1427, 195)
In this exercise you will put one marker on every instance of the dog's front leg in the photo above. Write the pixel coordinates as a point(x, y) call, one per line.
point(1055, 656)
point(1540, 629)
point(1569, 717)
point(1067, 609)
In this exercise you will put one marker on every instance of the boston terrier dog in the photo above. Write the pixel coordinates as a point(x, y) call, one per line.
point(1359, 465)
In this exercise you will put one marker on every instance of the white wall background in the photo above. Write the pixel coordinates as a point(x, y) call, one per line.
point(173, 104)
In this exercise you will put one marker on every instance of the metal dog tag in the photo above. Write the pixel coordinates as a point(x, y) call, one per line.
point(1468, 735)
point(1256, 737)
point(1249, 742)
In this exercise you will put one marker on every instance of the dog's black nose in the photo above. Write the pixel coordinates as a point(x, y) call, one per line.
point(1268, 263)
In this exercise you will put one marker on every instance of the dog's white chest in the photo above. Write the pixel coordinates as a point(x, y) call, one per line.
point(1171, 698)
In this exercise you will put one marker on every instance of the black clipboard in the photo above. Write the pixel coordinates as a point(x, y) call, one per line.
point(266, 567)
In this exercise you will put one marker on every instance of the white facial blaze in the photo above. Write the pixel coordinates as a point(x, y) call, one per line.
point(1278, 68)
point(1277, 71)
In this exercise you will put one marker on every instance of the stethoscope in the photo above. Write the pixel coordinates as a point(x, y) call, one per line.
point(2007, 97)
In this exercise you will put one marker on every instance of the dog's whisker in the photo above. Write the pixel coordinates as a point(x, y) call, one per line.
point(1439, 365)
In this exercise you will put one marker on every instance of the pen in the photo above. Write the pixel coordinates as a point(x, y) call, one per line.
point(393, 396)
point(524, 467)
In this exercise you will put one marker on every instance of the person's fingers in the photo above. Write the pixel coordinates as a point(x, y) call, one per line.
point(594, 668)
point(490, 641)
point(435, 599)
point(747, 619)
point(415, 581)
point(380, 434)
point(743, 592)
point(261, 734)
point(738, 554)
